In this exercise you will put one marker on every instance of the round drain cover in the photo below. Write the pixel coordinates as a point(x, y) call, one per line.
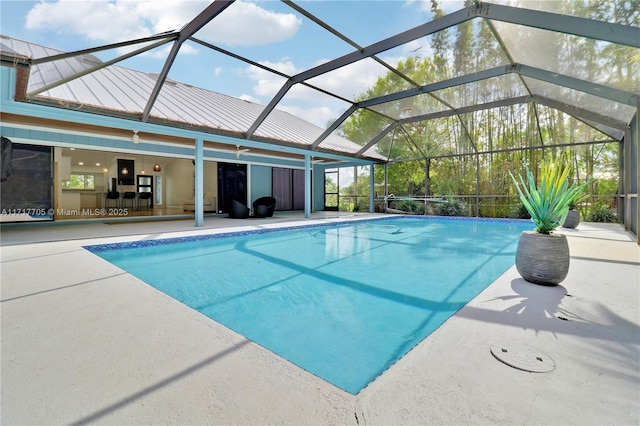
point(523, 358)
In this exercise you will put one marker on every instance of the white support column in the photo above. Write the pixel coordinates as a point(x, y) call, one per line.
point(307, 186)
point(386, 186)
point(625, 202)
point(372, 182)
point(199, 163)
point(635, 227)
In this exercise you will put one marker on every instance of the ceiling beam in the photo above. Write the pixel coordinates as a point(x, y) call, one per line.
point(427, 88)
point(481, 75)
point(442, 114)
point(580, 113)
point(583, 27)
point(566, 24)
point(98, 67)
point(595, 89)
point(203, 18)
point(267, 110)
point(423, 30)
point(371, 50)
point(238, 57)
point(166, 35)
point(334, 126)
point(378, 137)
point(591, 88)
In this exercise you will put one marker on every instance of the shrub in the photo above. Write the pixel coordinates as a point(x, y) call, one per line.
point(521, 212)
point(451, 208)
point(603, 213)
point(361, 206)
point(410, 206)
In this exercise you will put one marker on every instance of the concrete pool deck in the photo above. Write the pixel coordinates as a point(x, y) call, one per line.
point(85, 343)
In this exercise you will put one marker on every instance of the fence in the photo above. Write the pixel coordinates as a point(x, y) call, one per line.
point(494, 206)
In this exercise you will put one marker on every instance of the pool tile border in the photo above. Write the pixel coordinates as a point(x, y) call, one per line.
point(96, 248)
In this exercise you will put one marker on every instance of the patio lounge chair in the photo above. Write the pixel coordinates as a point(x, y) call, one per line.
point(264, 207)
point(237, 210)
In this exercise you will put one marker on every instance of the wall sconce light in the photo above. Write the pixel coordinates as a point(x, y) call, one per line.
point(156, 167)
point(135, 138)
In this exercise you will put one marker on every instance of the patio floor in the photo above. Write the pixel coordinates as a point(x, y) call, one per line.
point(84, 342)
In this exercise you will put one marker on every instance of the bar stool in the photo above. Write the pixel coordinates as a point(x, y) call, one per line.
point(131, 196)
point(144, 198)
point(112, 195)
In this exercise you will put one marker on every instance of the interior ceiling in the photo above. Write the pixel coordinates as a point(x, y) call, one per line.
point(526, 41)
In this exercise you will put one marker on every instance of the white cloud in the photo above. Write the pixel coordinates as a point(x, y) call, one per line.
point(268, 84)
point(301, 100)
point(347, 81)
point(99, 20)
point(250, 98)
point(285, 66)
point(246, 24)
point(319, 116)
point(351, 80)
point(108, 21)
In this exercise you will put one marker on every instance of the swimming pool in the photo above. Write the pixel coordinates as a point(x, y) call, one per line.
point(345, 301)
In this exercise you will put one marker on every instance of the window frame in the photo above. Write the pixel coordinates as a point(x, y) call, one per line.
point(85, 180)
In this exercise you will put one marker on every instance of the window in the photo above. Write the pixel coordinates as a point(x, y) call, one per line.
point(80, 182)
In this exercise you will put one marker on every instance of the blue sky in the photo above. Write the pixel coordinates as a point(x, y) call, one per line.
point(268, 32)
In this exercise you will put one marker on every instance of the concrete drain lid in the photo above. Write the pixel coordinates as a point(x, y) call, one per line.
point(523, 358)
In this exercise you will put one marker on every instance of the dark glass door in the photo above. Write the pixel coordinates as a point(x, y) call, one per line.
point(232, 184)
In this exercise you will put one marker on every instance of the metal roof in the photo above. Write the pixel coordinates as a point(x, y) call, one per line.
point(528, 57)
point(124, 90)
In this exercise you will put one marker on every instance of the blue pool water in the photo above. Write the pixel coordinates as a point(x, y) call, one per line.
point(343, 302)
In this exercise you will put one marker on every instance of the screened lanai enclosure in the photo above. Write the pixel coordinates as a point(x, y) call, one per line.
point(442, 111)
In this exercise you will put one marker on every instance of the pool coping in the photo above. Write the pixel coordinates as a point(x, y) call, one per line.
point(96, 248)
point(81, 340)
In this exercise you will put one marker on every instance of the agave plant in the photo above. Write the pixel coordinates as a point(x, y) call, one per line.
point(580, 196)
point(548, 203)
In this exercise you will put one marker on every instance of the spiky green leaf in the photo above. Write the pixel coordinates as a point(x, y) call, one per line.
point(548, 202)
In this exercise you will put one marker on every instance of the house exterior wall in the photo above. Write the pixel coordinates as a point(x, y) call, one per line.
point(260, 182)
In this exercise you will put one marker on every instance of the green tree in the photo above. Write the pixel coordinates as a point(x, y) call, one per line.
point(442, 156)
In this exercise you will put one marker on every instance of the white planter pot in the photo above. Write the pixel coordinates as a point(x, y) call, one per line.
point(542, 259)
